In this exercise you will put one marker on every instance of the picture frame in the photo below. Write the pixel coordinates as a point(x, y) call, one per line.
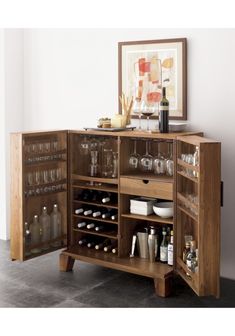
point(144, 67)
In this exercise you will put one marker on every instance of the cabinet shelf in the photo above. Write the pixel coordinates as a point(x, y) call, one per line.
point(111, 234)
point(45, 154)
point(194, 179)
point(61, 238)
point(103, 187)
point(187, 212)
point(44, 163)
point(103, 205)
point(187, 165)
point(192, 279)
point(150, 218)
point(95, 179)
point(133, 265)
point(46, 194)
point(96, 219)
point(44, 185)
point(184, 200)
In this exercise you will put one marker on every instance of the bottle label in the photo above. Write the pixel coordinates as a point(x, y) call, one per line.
point(188, 263)
point(163, 253)
point(164, 108)
point(170, 255)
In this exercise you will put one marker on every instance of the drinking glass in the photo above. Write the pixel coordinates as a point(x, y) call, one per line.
point(30, 179)
point(115, 165)
point(37, 177)
point(134, 159)
point(146, 162)
point(47, 146)
point(46, 177)
point(107, 164)
point(169, 161)
point(159, 163)
point(137, 110)
point(58, 174)
point(94, 166)
point(147, 110)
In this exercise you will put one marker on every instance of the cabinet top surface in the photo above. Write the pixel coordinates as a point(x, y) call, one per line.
point(132, 134)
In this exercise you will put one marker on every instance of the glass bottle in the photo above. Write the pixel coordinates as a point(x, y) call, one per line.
point(27, 235)
point(35, 229)
point(191, 257)
point(44, 220)
point(56, 225)
point(170, 256)
point(169, 161)
point(164, 113)
point(196, 161)
point(163, 247)
point(186, 251)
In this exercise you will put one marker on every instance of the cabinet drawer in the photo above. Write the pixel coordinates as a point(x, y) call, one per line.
point(146, 187)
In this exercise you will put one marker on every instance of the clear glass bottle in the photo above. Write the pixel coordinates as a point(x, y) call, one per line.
point(56, 226)
point(170, 256)
point(27, 235)
point(115, 165)
point(35, 229)
point(196, 161)
point(191, 257)
point(163, 247)
point(44, 220)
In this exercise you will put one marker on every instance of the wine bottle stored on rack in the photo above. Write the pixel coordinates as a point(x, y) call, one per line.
point(90, 226)
point(108, 198)
point(101, 245)
point(81, 225)
point(110, 247)
point(99, 228)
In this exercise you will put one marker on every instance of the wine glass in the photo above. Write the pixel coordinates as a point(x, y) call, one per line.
point(169, 161)
point(137, 110)
point(84, 146)
point(147, 110)
point(159, 162)
point(146, 162)
point(134, 159)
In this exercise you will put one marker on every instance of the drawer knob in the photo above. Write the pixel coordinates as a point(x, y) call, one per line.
point(145, 181)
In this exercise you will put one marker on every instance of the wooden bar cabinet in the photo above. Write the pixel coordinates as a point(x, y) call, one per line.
point(59, 152)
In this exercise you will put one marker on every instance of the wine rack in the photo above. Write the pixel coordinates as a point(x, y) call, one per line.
point(58, 167)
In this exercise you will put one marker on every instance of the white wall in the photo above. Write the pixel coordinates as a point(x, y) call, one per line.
point(70, 78)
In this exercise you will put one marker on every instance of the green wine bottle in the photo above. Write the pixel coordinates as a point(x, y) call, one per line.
point(164, 113)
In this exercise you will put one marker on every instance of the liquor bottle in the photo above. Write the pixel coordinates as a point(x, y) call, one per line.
point(170, 256)
point(196, 161)
point(163, 247)
point(164, 113)
point(186, 251)
point(35, 229)
point(79, 211)
point(99, 228)
point(27, 235)
point(191, 257)
point(196, 262)
point(100, 246)
point(56, 225)
point(90, 226)
point(81, 225)
point(109, 247)
point(45, 223)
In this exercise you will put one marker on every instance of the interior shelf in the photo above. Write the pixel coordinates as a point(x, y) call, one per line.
point(44, 163)
point(187, 212)
point(183, 199)
point(46, 194)
point(103, 205)
point(152, 218)
point(96, 219)
point(101, 187)
point(133, 265)
point(51, 153)
point(109, 234)
point(187, 165)
point(194, 179)
point(95, 179)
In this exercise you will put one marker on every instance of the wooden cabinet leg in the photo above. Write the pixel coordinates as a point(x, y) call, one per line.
point(66, 263)
point(163, 287)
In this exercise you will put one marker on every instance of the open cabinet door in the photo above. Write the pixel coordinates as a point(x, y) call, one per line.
point(198, 211)
point(39, 178)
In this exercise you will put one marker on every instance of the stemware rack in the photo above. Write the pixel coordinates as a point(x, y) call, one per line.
point(65, 150)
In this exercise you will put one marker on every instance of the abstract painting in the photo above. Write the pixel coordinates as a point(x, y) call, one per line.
point(145, 67)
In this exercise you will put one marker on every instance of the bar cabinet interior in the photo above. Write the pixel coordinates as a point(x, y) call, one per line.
point(70, 177)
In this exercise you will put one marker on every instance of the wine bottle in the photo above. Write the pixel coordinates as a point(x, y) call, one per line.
point(170, 256)
point(101, 245)
point(109, 247)
point(106, 197)
point(96, 213)
point(163, 247)
point(82, 241)
point(99, 228)
point(114, 216)
point(115, 250)
point(90, 226)
point(86, 195)
point(81, 225)
point(91, 244)
point(164, 113)
point(87, 212)
point(79, 211)
point(106, 214)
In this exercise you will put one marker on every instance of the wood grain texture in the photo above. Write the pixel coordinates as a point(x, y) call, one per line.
point(66, 263)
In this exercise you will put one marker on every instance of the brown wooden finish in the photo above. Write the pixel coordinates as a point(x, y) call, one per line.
point(146, 188)
point(66, 263)
point(150, 218)
point(163, 287)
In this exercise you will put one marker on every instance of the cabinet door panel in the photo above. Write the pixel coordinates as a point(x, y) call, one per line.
point(38, 178)
point(198, 211)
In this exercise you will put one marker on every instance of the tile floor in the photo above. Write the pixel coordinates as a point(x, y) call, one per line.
point(38, 283)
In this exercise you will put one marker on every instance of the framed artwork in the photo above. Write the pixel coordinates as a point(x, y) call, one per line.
point(145, 67)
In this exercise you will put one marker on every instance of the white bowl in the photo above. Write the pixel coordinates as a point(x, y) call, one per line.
point(163, 209)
